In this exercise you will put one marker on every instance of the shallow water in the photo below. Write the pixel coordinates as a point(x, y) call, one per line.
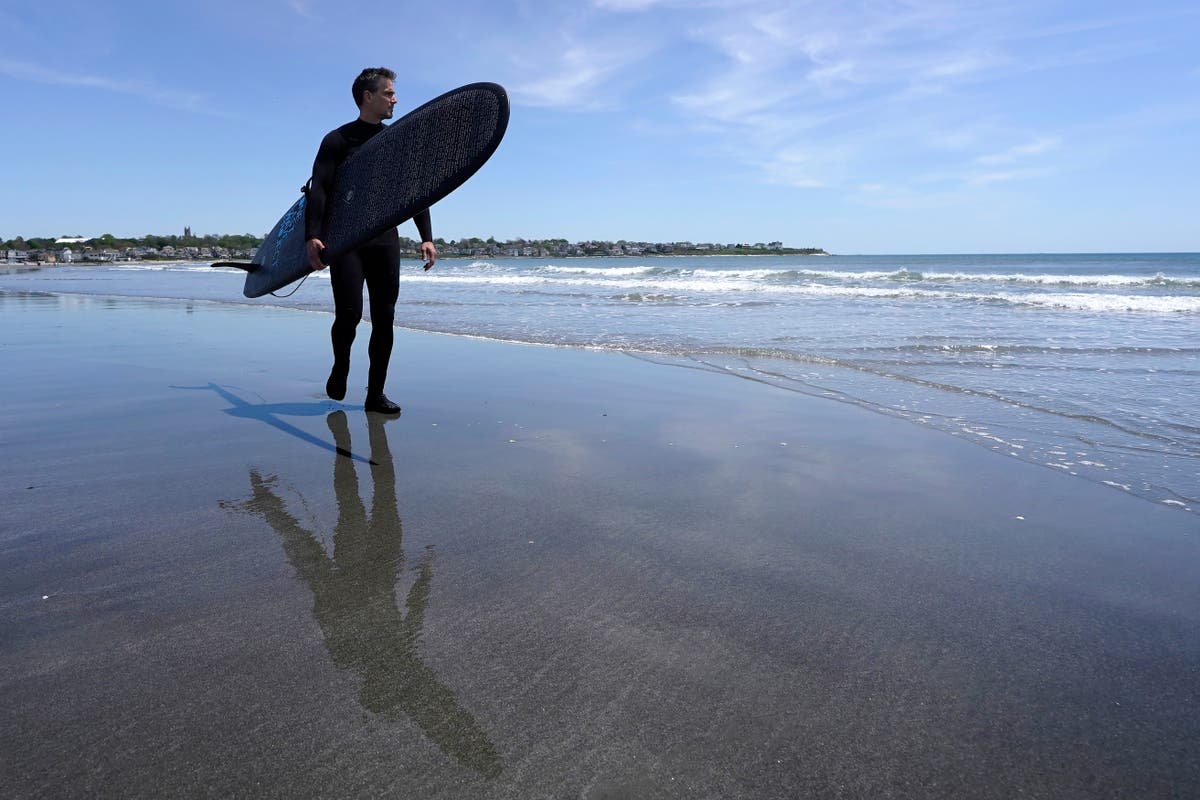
point(1087, 364)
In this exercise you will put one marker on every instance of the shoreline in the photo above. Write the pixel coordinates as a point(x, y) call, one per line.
point(1177, 503)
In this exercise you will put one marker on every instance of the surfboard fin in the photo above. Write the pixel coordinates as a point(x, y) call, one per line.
point(249, 266)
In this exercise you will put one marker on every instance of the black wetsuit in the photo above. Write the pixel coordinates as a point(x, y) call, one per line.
point(377, 263)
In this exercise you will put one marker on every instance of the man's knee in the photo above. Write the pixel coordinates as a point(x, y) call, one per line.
point(383, 314)
point(347, 317)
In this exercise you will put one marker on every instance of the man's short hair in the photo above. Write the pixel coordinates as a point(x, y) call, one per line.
point(368, 81)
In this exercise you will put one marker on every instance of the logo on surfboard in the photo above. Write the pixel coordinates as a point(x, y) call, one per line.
point(286, 225)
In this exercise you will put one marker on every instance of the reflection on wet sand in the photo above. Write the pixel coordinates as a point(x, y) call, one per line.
point(354, 598)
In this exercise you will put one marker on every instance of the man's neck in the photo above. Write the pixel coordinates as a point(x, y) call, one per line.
point(370, 119)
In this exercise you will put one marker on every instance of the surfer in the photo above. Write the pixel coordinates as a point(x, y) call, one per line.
point(376, 263)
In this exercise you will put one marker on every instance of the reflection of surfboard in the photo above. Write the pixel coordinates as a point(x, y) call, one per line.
point(416, 161)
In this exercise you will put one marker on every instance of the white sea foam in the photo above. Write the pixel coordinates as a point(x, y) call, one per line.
point(902, 274)
point(798, 283)
point(698, 285)
point(160, 266)
point(616, 272)
point(1108, 303)
point(749, 282)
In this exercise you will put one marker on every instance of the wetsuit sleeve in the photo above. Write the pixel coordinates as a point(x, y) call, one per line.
point(424, 225)
point(324, 169)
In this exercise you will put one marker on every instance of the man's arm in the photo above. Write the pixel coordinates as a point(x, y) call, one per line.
point(324, 169)
point(425, 229)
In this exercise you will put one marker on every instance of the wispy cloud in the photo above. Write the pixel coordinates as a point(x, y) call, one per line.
point(644, 5)
point(795, 166)
point(922, 98)
point(903, 198)
point(626, 5)
point(302, 8)
point(1004, 176)
point(575, 76)
point(805, 91)
point(788, 77)
point(1019, 152)
point(180, 100)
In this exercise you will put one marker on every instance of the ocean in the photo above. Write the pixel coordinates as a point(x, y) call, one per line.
point(1084, 364)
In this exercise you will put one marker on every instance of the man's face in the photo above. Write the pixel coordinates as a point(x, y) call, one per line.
point(379, 104)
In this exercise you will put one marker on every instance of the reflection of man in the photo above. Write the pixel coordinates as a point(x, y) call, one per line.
point(354, 599)
point(377, 263)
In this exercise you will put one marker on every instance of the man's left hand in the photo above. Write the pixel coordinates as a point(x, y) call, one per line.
point(429, 253)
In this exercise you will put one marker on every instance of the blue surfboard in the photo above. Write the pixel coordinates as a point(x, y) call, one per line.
point(416, 161)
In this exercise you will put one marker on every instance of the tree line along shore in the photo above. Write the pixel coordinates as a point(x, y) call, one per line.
point(234, 246)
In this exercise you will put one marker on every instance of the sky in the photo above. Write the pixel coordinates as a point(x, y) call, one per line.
point(862, 126)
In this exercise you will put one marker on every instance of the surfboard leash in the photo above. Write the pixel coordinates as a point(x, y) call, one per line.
point(293, 291)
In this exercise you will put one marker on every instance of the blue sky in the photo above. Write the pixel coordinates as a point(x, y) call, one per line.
point(869, 126)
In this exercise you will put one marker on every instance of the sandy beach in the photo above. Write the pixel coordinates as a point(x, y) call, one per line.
point(560, 573)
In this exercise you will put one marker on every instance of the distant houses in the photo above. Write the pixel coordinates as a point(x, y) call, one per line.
point(83, 253)
point(84, 250)
point(66, 255)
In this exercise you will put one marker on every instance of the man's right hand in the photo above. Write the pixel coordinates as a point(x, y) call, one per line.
point(315, 246)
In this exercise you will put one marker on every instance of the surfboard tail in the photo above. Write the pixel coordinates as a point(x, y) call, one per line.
point(248, 266)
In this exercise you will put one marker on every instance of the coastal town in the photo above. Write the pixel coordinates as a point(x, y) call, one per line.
point(188, 247)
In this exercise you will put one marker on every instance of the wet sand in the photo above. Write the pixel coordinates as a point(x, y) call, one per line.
point(559, 574)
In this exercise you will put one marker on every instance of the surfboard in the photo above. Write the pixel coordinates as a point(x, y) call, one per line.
point(416, 161)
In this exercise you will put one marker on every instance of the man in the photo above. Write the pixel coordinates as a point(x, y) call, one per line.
point(376, 263)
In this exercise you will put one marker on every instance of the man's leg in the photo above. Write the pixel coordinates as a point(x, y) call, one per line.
point(381, 267)
point(346, 276)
